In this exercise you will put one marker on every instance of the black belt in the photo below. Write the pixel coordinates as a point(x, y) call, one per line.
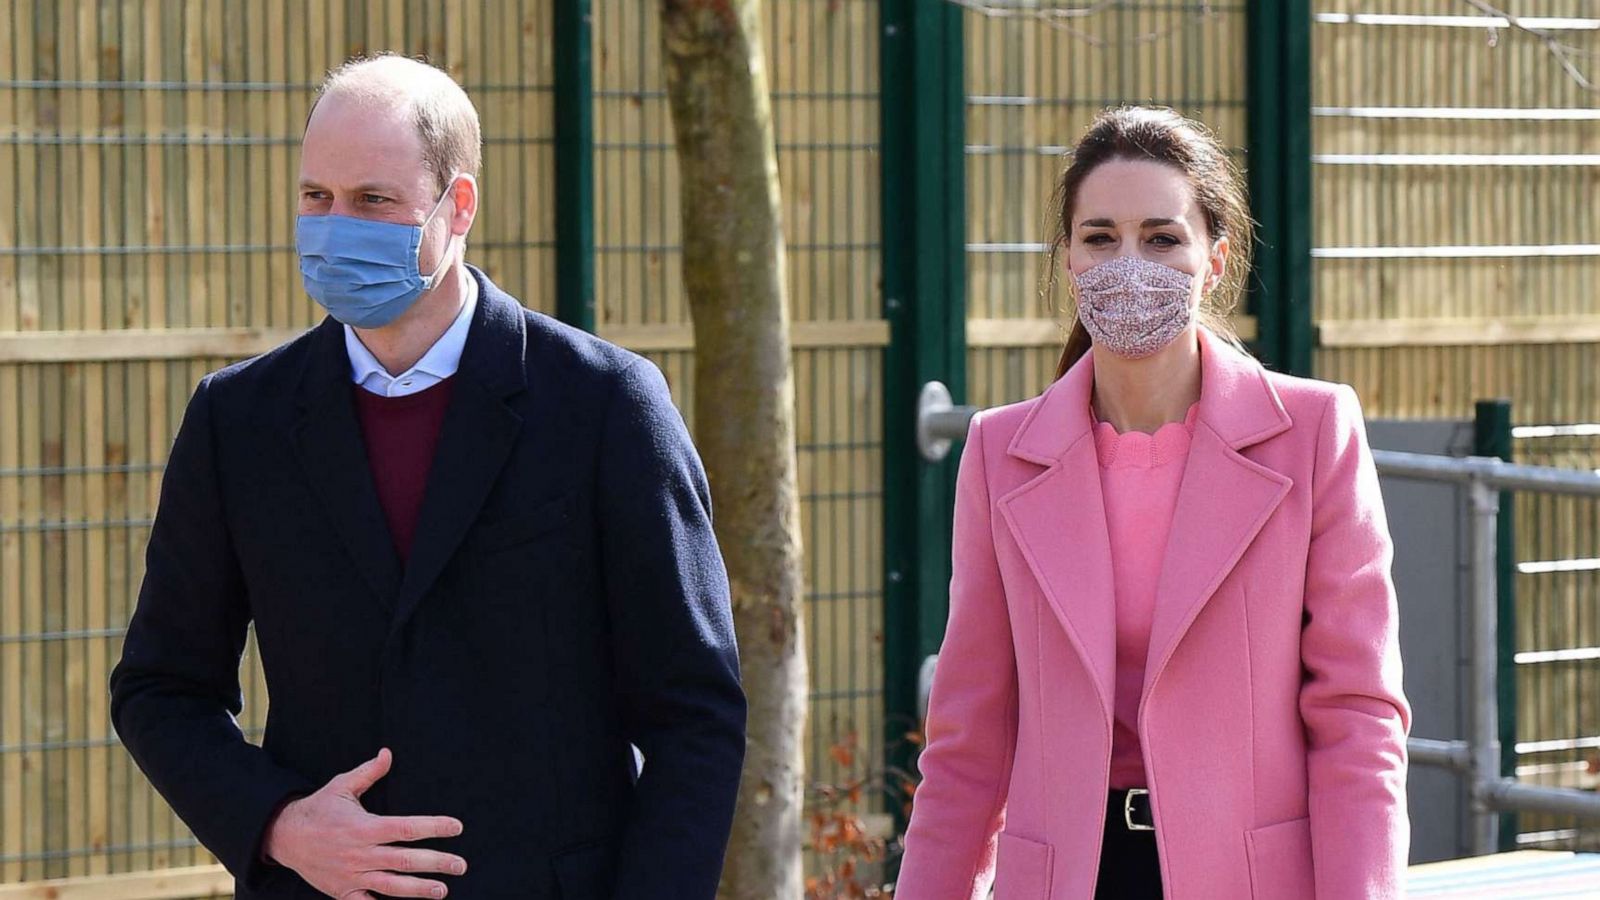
point(1131, 808)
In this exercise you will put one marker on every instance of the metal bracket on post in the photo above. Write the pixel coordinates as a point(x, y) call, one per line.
point(933, 401)
point(925, 684)
point(939, 421)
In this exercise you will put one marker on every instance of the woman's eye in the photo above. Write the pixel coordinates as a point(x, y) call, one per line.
point(1095, 240)
point(373, 199)
point(1165, 240)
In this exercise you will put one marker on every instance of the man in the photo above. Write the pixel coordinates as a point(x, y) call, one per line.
point(476, 547)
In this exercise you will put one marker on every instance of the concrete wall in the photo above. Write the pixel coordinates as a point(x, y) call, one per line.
point(1428, 521)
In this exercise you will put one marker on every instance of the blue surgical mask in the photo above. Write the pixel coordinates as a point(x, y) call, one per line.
point(365, 273)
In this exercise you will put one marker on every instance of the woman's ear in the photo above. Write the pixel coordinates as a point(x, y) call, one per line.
point(1218, 264)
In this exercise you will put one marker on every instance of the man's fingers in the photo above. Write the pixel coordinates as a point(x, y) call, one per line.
point(359, 780)
point(392, 885)
point(406, 829)
point(415, 860)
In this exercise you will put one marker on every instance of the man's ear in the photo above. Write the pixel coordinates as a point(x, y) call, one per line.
point(464, 196)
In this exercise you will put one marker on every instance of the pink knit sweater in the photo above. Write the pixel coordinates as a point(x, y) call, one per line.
point(1139, 478)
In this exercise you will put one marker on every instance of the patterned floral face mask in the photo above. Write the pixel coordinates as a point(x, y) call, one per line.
point(1134, 307)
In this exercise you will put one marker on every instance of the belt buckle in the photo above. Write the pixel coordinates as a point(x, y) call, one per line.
point(1127, 810)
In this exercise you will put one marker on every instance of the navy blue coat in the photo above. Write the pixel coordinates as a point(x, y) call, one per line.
point(564, 598)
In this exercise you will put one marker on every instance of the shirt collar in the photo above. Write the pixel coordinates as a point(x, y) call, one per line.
point(442, 359)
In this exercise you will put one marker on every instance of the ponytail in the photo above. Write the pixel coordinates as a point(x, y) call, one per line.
point(1078, 344)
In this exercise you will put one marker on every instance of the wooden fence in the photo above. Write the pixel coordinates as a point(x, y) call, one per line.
point(153, 149)
point(150, 151)
point(1458, 258)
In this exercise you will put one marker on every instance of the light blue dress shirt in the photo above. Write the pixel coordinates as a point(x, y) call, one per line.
point(439, 363)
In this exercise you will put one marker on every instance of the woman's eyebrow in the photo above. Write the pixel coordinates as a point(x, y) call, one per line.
point(1158, 222)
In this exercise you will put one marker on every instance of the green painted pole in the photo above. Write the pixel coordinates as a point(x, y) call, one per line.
point(574, 162)
point(1278, 165)
point(1491, 436)
point(924, 262)
point(1296, 242)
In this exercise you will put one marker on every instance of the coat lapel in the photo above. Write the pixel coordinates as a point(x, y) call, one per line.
point(1058, 518)
point(327, 440)
point(1225, 498)
point(1223, 504)
point(1058, 521)
point(475, 441)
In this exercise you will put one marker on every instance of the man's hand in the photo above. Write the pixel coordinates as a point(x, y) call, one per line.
point(342, 850)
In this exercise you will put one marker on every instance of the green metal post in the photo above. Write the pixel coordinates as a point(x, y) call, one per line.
point(574, 163)
point(1491, 436)
point(924, 282)
point(1278, 161)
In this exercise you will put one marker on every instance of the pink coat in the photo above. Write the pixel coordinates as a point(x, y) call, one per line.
point(1272, 718)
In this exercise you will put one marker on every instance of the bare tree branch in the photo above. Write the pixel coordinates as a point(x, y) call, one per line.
point(1562, 52)
point(1060, 17)
point(1035, 10)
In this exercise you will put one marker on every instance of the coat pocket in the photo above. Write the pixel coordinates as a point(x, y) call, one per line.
point(502, 530)
point(1022, 869)
point(586, 872)
point(1280, 861)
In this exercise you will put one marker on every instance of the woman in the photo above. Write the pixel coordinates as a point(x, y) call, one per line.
point(1171, 660)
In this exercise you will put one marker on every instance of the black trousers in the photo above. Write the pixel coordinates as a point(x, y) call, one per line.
point(1130, 867)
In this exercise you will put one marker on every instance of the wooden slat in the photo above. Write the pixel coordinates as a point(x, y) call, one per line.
point(802, 335)
point(29, 801)
point(1014, 332)
point(65, 724)
point(1047, 332)
point(821, 335)
point(12, 797)
point(279, 283)
point(140, 344)
point(97, 772)
point(174, 884)
point(152, 226)
point(194, 343)
point(42, 441)
point(13, 801)
point(1460, 332)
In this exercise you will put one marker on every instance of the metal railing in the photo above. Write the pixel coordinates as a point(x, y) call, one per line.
point(1479, 757)
point(1554, 639)
point(940, 422)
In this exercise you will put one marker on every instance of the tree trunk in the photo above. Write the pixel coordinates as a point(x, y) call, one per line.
point(733, 271)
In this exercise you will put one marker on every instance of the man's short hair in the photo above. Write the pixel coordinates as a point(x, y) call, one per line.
point(446, 120)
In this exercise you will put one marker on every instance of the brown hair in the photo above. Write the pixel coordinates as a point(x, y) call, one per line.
point(445, 119)
point(1159, 135)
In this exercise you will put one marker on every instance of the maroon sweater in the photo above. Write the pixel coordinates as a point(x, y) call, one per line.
point(401, 434)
